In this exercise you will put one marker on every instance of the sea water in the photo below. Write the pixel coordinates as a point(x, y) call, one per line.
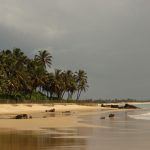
point(144, 114)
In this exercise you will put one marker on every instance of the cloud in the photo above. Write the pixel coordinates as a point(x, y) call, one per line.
point(109, 39)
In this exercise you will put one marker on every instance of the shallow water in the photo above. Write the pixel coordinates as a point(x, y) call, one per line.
point(120, 133)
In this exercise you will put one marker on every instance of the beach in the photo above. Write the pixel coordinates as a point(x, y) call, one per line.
point(65, 115)
point(82, 128)
point(17, 108)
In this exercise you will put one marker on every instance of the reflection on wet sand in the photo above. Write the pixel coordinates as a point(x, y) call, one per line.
point(50, 139)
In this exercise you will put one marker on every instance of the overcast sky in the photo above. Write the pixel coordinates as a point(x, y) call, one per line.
point(109, 39)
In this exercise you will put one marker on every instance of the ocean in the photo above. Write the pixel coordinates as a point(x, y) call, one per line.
point(143, 114)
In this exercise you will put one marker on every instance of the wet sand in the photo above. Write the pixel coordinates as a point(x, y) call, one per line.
point(121, 132)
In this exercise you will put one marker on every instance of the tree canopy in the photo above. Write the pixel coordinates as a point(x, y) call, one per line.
point(22, 77)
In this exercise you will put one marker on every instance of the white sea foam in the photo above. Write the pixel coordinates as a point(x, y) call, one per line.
point(145, 116)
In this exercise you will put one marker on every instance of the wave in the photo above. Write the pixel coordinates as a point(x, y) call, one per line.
point(145, 116)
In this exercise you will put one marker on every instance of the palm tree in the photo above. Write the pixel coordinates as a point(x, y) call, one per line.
point(44, 58)
point(81, 79)
point(71, 85)
point(56, 84)
point(22, 75)
point(7, 70)
point(37, 76)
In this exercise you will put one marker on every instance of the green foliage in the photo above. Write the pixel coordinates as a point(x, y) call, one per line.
point(23, 78)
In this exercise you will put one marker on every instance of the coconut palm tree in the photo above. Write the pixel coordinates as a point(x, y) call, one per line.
point(71, 85)
point(44, 58)
point(37, 76)
point(81, 79)
point(56, 84)
point(7, 65)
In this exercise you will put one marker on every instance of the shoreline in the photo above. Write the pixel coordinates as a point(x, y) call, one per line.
point(42, 119)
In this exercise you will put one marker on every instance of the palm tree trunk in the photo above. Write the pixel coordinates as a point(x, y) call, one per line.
point(30, 95)
point(47, 93)
point(62, 95)
point(68, 95)
point(79, 94)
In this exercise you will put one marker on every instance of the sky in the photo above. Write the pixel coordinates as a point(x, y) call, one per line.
point(109, 39)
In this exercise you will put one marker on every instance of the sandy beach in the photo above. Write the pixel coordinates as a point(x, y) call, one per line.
point(41, 118)
point(30, 108)
point(82, 128)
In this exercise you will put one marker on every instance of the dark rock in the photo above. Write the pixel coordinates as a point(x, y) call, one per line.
point(114, 106)
point(111, 115)
point(102, 118)
point(51, 110)
point(111, 106)
point(105, 105)
point(66, 112)
point(30, 117)
point(22, 116)
point(126, 106)
point(129, 106)
point(102, 105)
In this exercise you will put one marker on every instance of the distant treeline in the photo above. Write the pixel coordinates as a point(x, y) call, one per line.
point(23, 78)
point(116, 100)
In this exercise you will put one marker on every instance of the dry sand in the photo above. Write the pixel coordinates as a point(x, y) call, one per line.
point(30, 108)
